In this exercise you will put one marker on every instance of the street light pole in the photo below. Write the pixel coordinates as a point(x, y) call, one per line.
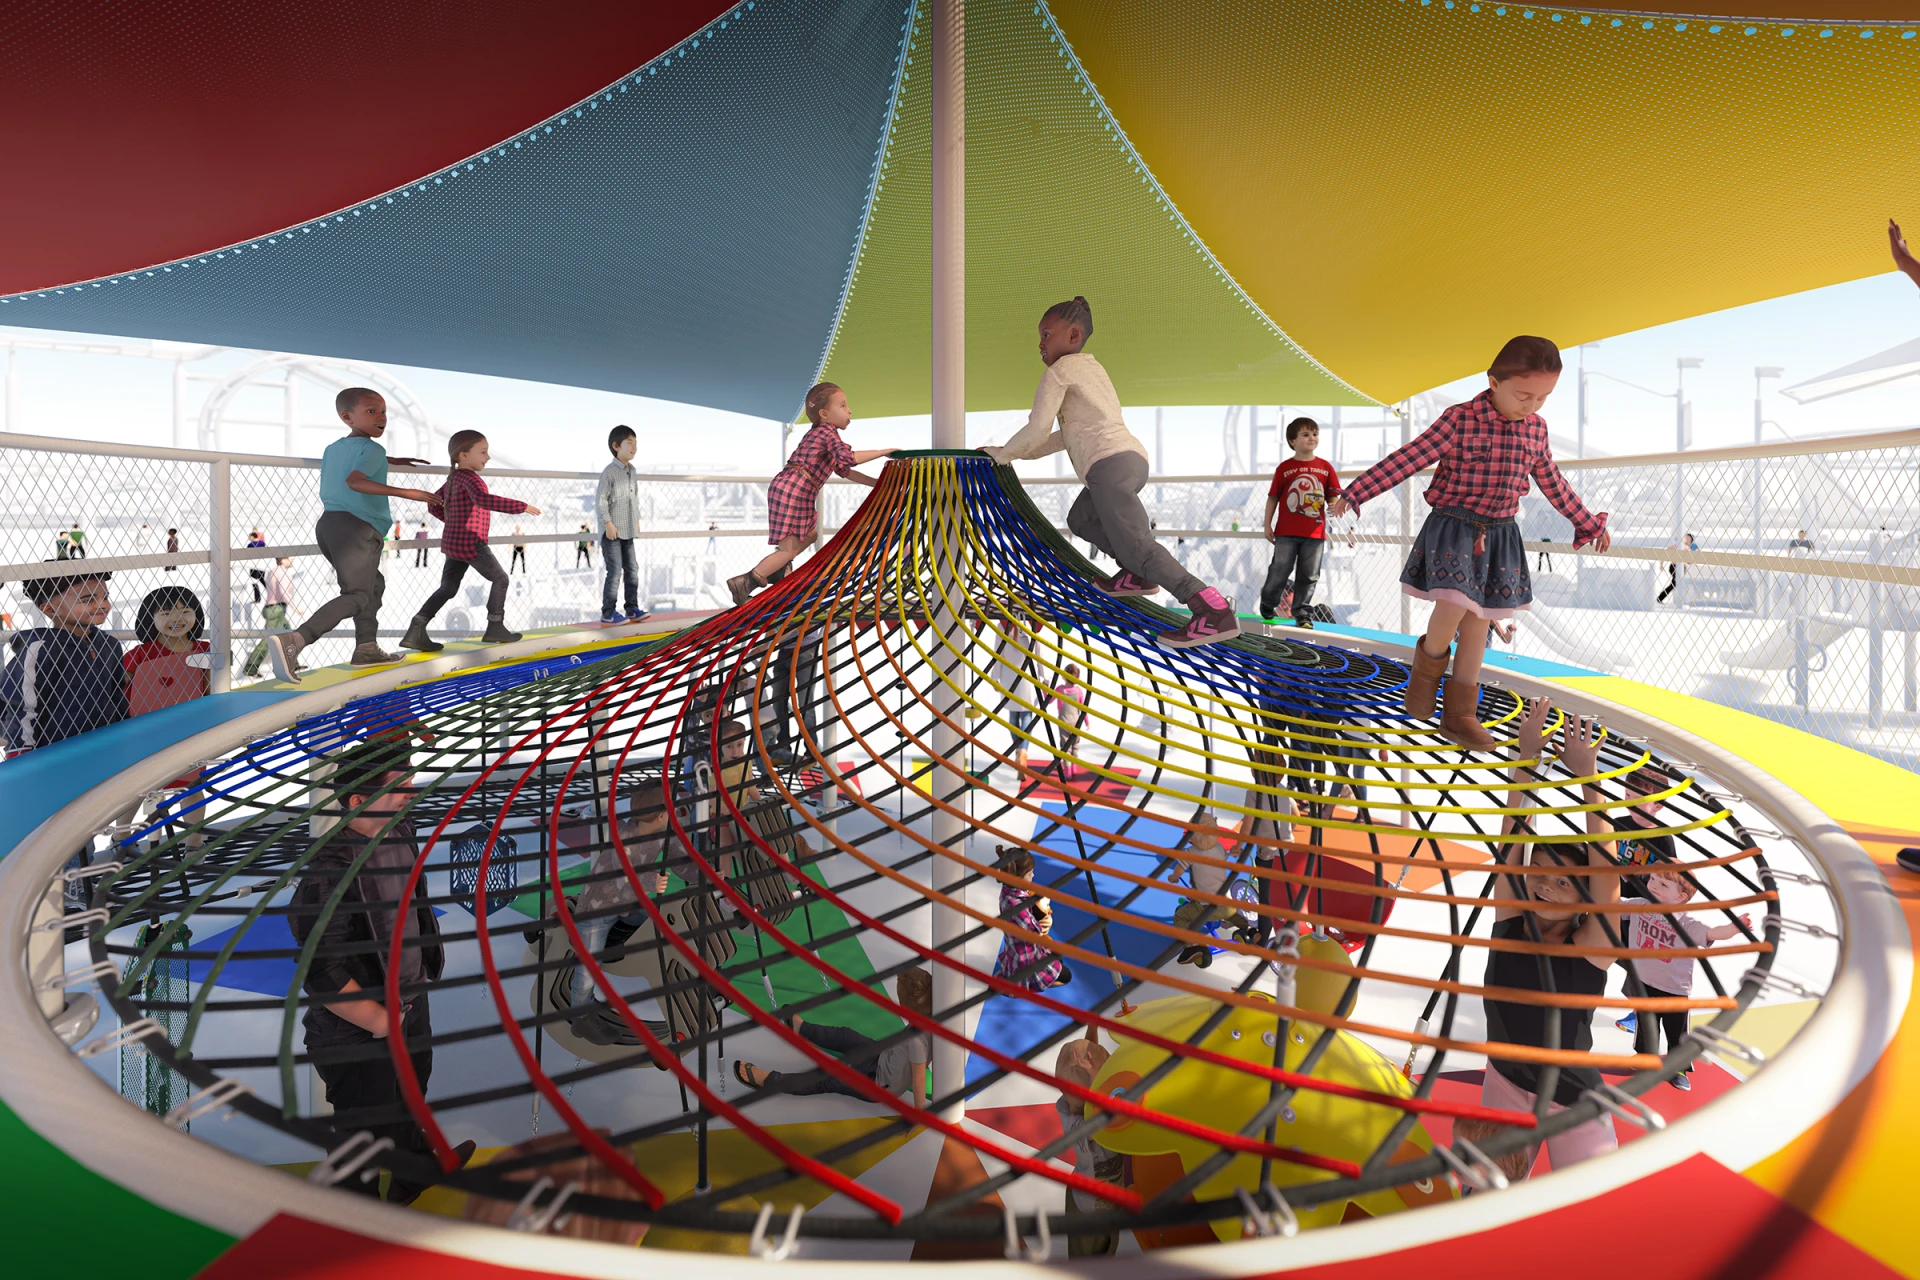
point(1760, 373)
point(1680, 443)
point(1580, 440)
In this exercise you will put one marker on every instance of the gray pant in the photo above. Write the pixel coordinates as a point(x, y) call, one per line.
point(454, 570)
point(352, 547)
point(1108, 514)
point(1299, 559)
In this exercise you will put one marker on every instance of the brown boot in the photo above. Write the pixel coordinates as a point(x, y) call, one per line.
point(1460, 717)
point(1423, 681)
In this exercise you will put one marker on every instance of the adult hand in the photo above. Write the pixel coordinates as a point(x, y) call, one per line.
point(429, 497)
point(1340, 508)
point(1580, 745)
point(409, 462)
point(533, 511)
point(613, 534)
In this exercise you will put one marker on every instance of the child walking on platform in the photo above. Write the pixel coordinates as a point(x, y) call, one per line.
point(467, 503)
point(793, 499)
point(1468, 558)
point(1076, 391)
point(352, 532)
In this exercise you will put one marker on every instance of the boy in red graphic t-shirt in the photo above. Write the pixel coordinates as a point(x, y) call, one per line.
point(1296, 522)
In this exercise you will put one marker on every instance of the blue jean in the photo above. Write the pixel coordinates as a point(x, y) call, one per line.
point(617, 555)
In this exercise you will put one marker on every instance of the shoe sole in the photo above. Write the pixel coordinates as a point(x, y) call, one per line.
point(395, 660)
point(1121, 595)
point(1194, 642)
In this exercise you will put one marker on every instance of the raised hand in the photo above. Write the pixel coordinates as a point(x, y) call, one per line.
point(1531, 737)
point(1580, 745)
point(1903, 258)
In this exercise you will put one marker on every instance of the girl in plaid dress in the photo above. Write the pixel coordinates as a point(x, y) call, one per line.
point(466, 502)
point(1027, 963)
point(793, 499)
point(1468, 558)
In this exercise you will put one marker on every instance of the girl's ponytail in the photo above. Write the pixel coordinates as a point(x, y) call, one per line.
point(458, 443)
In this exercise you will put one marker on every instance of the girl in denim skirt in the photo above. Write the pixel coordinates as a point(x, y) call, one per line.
point(1468, 558)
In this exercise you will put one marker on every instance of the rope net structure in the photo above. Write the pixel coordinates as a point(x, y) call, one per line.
point(854, 762)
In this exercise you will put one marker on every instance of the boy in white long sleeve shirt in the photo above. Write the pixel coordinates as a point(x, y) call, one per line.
point(1076, 392)
point(617, 501)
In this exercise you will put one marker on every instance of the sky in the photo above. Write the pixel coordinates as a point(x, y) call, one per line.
point(129, 398)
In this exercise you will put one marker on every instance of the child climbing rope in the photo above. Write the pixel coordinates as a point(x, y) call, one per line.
point(793, 499)
point(1468, 558)
point(1076, 392)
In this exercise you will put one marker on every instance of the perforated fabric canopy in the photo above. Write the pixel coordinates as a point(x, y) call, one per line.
point(1308, 201)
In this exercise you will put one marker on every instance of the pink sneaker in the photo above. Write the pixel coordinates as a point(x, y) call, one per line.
point(1126, 583)
point(1213, 619)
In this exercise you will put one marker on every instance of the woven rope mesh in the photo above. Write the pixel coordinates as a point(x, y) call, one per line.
point(587, 1018)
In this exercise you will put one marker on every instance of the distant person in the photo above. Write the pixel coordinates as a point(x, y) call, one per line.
point(62, 545)
point(279, 594)
point(519, 560)
point(583, 547)
point(466, 502)
point(173, 548)
point(1070, 701)
point(393, 540)
point(1800, 542)
point(1076, 393)
point(1545, 562)
point(421, 537)
point(64, 678)
point(617, 502)
point(1296, 522)
point(1673, 571)
point(77, 539)
point(259, 576)
point(146, 539)
point(354, 493)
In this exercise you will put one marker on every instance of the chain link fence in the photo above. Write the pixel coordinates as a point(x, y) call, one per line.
point(1798, 602)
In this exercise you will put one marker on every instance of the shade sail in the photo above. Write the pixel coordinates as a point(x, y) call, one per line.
point(1269, 201)
point(1890, 365)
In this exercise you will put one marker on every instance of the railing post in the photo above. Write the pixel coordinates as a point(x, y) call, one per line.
point(220, 577)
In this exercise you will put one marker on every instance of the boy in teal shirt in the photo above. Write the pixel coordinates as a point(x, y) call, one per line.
point(351, 532)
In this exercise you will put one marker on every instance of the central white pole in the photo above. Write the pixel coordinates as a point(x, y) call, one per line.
point(949, 224)
point(949, 432)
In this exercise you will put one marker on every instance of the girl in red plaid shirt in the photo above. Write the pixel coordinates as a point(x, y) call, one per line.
point(467, 502)
point(793, 499)
point(1468, 558)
